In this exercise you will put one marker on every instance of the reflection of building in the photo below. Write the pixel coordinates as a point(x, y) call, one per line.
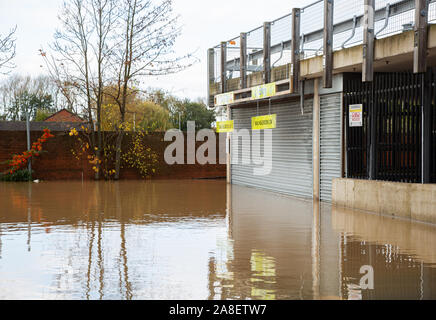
point(401, 253)
point(397, 276)
point(282, 248)
point(271, 257)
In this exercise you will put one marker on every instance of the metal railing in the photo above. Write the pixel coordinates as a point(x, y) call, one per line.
point(391, 17)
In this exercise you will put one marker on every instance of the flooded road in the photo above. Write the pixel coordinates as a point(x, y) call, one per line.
point(201, 240)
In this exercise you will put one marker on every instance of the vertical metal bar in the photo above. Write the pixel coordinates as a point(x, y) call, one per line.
point(243, 60)
point(421, 36)
point(267, 52)
point(426, 127)
point(405, 143)
point(416, 106)
point(407, 87)
point(328, 44)
point(372, 131)
point(210, 74)
point(409, 104)
point(399, 102)
point(368, 42)
point(295, 51)
point(223, 67)
point(346, 133)
point(386, 122)
point(433, 111)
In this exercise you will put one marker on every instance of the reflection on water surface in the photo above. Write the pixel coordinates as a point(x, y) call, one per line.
point(201, 240)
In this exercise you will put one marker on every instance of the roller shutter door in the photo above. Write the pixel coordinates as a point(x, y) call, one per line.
point(291, 149)
point(330, 143)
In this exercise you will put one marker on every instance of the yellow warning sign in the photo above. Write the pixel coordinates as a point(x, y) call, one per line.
point(263, 91)
point(225, 126)
point(264, 122)
point(224, 99)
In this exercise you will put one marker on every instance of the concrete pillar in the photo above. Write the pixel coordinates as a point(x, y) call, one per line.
point(210, 75)
point(316, 141)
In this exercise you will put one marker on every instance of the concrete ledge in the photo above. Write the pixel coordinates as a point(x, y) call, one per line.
point(404, 200)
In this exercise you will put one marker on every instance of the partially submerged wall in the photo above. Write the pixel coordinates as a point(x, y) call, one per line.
point(405, 200)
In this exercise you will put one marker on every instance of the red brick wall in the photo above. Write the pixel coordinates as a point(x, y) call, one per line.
point(58, 163)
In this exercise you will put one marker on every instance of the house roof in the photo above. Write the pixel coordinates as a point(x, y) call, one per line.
point(73, 117)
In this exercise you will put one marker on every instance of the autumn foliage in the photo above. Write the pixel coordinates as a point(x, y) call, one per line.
point(20, 161)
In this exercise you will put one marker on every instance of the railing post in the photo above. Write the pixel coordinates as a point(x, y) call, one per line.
point(223, 67)
point(210, 74)
point(267, 52)
point(295, 49)
point(243, 60)
point(368, 42)
point(421, 34)
point(328, 44)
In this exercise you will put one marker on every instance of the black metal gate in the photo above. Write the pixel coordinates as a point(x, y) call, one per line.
point(388, 146)
point(433, 146)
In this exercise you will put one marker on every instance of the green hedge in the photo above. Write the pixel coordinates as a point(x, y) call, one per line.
point(19, 176)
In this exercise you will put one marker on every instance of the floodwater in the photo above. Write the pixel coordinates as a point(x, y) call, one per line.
point(201, 240)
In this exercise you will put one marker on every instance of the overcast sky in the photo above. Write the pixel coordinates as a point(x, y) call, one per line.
point(205, 24)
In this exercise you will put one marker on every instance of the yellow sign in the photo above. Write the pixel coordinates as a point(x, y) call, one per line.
point(263, 91)
point(264, 122)
point(224, 99)
point(224, 126)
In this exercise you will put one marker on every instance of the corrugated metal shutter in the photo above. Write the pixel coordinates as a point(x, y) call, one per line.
point(291, 150)
point(330, 143)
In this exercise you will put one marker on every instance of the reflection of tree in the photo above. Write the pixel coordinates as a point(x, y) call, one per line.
point(100, 257)
point(84, 216)
point(123, 248)
point(91, 235)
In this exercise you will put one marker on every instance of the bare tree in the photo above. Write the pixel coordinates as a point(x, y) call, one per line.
point(67, 92)
point(17, 90)
point(80, 61)
point(144, 47)
point(7, 51)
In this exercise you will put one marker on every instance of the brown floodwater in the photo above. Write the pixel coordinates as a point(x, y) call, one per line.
point(201, 240)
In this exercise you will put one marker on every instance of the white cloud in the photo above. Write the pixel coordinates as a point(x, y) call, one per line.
point(205, 24)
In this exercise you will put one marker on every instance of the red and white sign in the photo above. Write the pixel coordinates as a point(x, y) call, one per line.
point(356, 115)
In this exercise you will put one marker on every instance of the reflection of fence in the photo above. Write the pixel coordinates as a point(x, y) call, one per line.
point(391, 17)
point(397, 275)
point(395, 102)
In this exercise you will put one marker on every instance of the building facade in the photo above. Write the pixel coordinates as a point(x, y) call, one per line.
point(352, 88)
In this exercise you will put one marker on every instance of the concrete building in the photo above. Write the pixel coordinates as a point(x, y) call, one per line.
point(352, 86)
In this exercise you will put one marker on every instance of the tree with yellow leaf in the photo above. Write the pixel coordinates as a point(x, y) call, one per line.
point(141, 115)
